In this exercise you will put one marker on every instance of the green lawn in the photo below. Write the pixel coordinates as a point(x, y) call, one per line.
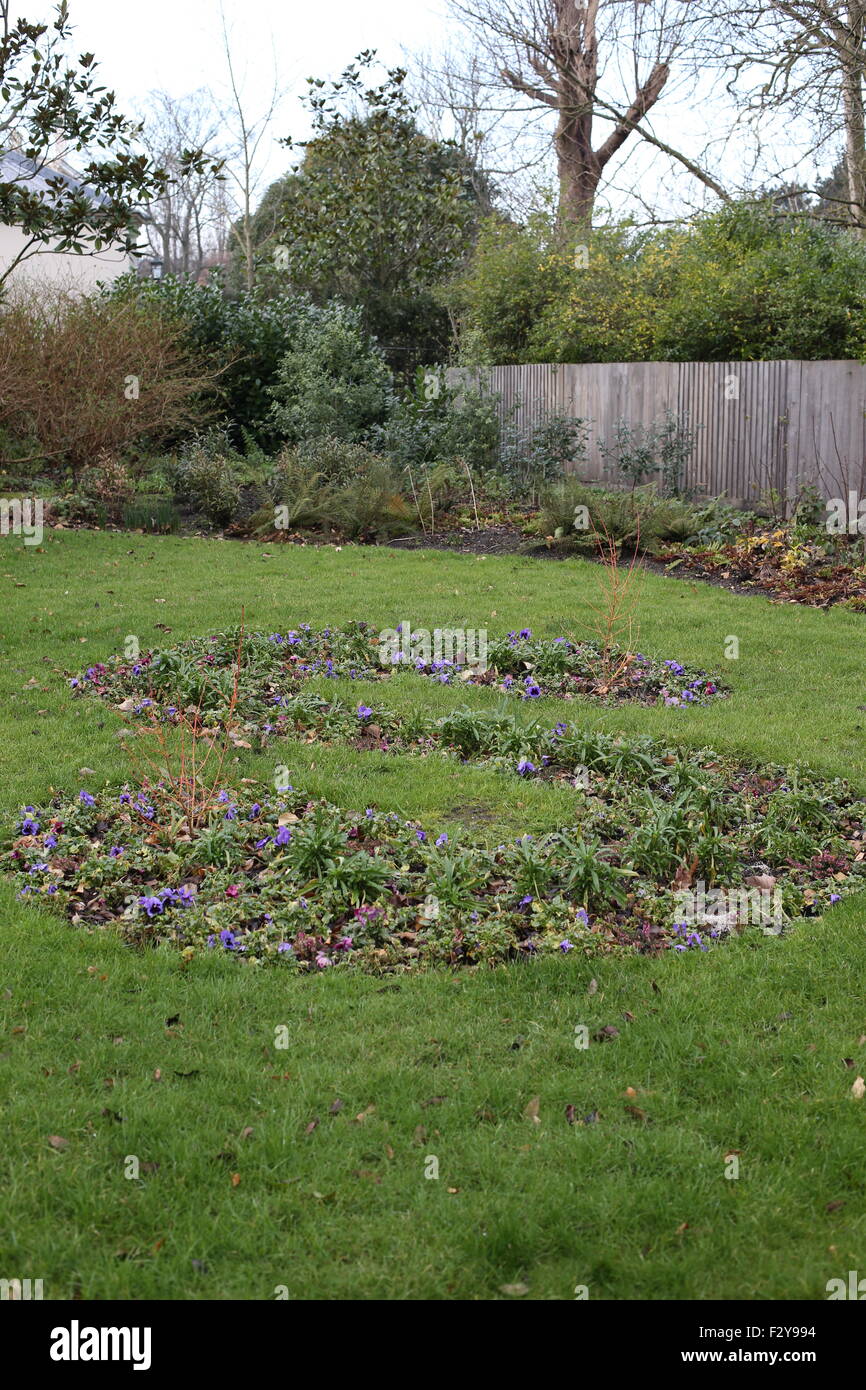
point(740, 1049)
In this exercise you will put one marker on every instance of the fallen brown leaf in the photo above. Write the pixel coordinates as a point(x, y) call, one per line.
point(606, 1034)
point(765, 881)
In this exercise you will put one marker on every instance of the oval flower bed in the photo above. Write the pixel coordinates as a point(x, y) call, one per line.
point(306, 884)
point(201, 672)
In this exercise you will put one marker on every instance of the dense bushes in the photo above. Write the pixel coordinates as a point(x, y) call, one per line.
point(435, 423)
point(284, 369)
point(302, 396)
point(748, 285)
point(81, 377)
point(575, 516)
point(243, 339)
point(332, 381)
point(205, 478)
point(529, 297)
point(740, 284)
point(535, 455)
point(333, 485)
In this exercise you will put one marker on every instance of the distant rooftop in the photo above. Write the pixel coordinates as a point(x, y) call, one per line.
point(15, 167)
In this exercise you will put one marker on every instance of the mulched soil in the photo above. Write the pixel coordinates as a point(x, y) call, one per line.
point(811, 589)
point(818, 583)
point(507, 540)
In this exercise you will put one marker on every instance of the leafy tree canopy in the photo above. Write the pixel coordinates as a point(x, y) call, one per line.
point(376, 214)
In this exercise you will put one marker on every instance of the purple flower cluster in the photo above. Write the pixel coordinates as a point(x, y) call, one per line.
point(689, 938)
point(156, 903)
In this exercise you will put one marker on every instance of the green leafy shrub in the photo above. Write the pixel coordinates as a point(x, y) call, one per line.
point(339, 461)
point(333, 381)
point(206, 479)
point(77, 507)
point(744, 283)
point(533, 456)
point(510, 279)
point(559, 504)
point(377, 214)
point(748, 284)
point(436, 422)
point(718, 522)
point(625, 516)
point(244, 339)
point(334, 485)
point(658, 452)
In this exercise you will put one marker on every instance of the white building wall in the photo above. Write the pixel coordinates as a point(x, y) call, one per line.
point(59, 269)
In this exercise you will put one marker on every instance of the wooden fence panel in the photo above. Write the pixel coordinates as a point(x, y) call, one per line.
point(757, 425)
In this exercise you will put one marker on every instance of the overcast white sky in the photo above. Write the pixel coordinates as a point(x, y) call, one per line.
point(177, 45)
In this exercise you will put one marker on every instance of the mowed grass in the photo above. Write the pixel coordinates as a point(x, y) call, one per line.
point(744, 1049)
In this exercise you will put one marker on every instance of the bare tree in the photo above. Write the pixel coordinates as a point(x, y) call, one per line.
point(182, 226)
point(801, 61)
point(587, 61)
point(504, 149)
point(244, 167)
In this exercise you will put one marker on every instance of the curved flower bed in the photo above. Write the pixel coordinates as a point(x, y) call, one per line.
point(305, 884)
point(200, 672)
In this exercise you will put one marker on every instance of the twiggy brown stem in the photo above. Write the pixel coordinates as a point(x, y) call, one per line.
point(180, 772)
point(615, 611)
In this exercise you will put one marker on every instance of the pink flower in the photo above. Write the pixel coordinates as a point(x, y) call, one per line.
point(322, 960)
point(232, 890)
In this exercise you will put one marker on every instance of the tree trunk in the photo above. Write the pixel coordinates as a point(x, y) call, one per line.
point(855, 126)
point(579, 171)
